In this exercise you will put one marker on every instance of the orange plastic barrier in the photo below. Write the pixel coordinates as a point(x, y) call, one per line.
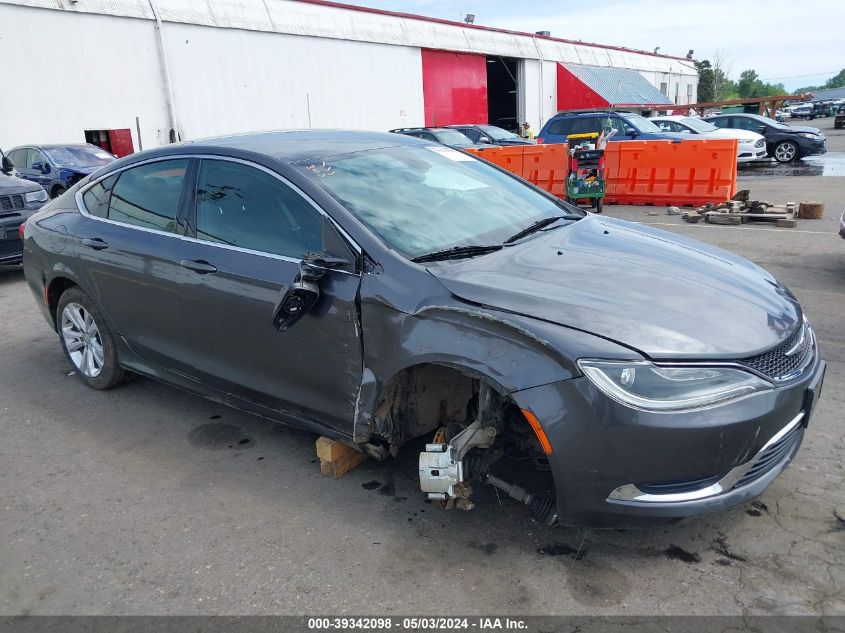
point(689, 173)
point(543, 165)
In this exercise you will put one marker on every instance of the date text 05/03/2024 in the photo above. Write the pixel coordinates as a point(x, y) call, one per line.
point(416, 623)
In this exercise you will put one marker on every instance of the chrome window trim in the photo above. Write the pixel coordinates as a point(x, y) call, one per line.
point(630, 492)
point(80, 204)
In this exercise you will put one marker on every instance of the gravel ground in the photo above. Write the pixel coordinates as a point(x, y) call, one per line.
point(142, 500)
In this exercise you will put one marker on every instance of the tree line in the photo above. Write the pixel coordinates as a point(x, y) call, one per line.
point(714, 84)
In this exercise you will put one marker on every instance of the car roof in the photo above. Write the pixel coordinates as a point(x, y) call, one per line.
point(56, 145)
point(290, 146)
point(420, 129)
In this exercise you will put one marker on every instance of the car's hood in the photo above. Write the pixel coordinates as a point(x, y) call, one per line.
point(82, 170)
point(803, 128)
point(12, 184)
point(514, 141)
point(660, 293)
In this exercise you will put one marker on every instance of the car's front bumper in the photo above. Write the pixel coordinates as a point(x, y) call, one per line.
point(601, 447)
point(750, 154)
point(11, 246)
point(812, 148)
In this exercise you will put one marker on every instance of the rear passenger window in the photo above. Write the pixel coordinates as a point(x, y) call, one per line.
point(96, 198)
point(148, 195)
point(560, 127)
point(245, 207)
point(470, 133)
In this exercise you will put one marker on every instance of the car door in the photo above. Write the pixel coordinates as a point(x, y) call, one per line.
point(250, 230)
point(752, 125)
point(39, 169)
point(130, 245)
point(22, 159)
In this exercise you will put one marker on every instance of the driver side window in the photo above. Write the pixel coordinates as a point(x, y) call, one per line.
point(246, 207)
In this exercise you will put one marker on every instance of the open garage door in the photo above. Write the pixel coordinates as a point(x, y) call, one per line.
point(502, 92)
point(454, 88)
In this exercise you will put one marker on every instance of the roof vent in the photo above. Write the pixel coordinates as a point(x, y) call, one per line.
point(546, 33)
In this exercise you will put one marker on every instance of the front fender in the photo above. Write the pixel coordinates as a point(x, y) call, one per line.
point(511, 351)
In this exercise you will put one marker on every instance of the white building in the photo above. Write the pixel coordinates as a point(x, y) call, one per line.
point(147, 70)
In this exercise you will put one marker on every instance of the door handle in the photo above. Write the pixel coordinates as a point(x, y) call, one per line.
point(199, 266)
point(96, 243)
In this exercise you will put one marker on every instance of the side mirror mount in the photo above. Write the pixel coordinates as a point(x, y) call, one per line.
point(762, 130)
point(37, 166)
point(304, 292)
point(484, 140)
point(7, 166)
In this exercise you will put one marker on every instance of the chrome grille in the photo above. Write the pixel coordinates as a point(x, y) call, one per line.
point(787, 360)
point(12, 202)
point(772, 456)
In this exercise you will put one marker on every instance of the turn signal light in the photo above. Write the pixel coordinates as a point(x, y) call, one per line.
point(540, 140)
point(538, 431)
point(21, 229)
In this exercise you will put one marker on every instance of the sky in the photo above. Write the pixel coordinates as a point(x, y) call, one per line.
point(795, 43)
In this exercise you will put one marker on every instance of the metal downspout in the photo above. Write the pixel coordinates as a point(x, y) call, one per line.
point(542, 91)
point(165, 69)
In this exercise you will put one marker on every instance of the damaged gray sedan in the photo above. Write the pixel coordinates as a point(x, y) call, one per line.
point(379, 289)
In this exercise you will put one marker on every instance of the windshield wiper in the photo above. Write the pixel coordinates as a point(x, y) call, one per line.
point(456, 252)
point(540, 224)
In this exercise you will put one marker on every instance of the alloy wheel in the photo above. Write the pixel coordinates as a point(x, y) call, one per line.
point(82, 340)
point(785, 152)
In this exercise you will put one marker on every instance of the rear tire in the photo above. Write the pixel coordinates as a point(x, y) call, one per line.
point(786, 152)
point(599, 204)
point(87, 341)
point(57, 191)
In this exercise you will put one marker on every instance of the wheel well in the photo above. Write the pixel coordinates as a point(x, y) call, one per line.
point(420, 399)
point(54, 290)
point(55, 188)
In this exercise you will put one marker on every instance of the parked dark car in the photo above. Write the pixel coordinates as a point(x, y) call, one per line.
point(443, 135)
point(490, 135)
point(19, 199)
point(58, 167)
point(625, 126)
point(784, 143)
point(378, 288)
point(839, 120)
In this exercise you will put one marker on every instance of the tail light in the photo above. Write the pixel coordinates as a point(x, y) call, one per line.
point(22, 230)
point(540, 140)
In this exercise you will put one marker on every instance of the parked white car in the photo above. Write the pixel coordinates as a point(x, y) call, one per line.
point(752, 146)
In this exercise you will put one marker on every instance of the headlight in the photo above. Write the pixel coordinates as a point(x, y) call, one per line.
point(815, 137)
point(644, 385)
point(36, 196)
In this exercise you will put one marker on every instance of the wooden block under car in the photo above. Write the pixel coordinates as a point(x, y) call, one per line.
point(787, 224)
point(811, 210)
point(337, 458)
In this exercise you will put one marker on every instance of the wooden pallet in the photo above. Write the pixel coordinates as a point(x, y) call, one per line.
point(337, 458)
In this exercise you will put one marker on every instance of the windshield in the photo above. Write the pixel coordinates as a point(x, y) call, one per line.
point(642, 124)
point(698, 124)
point(420, 200)
point(498, 133)
point(452, 137)
point(79, 156)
